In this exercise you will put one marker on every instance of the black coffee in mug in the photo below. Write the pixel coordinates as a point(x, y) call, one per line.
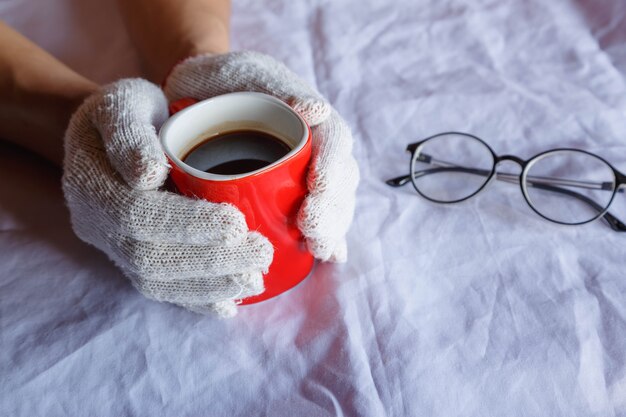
point(236, 152)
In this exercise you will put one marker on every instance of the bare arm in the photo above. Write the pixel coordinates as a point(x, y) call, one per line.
point(38, 95)
point(166, 31)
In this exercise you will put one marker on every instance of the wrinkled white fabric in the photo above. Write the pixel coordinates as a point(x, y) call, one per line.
point(327, 212)
point(176, 249)
point(481, 309)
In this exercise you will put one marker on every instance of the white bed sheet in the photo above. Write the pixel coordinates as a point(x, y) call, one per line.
point(478, 310)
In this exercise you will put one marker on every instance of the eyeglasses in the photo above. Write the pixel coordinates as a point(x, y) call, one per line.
point(565, 186)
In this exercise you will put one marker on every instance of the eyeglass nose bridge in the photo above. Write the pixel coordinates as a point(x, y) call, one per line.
point(511, 158)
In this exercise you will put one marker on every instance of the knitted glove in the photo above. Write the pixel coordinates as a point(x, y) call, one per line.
point(327, 212)
point(193, 253)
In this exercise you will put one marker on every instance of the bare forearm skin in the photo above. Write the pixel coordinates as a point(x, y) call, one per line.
point(166, 31)
point(38, 95)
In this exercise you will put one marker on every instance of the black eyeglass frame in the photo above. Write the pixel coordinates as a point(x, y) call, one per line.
point(525, 164)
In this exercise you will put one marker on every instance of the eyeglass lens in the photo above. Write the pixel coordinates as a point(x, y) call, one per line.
point(451, 167)
point(569, 186)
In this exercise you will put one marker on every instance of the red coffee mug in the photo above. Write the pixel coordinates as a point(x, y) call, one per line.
point(269, 197)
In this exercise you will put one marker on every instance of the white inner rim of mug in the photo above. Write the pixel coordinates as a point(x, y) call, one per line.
point(234, 111)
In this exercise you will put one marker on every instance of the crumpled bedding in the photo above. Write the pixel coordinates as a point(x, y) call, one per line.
point(481, 309)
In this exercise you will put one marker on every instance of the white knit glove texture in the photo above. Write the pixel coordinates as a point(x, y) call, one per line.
point(327, 211)
point(189, 252)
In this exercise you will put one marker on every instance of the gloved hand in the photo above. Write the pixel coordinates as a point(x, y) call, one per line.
point(328, 209)
point(193, 253)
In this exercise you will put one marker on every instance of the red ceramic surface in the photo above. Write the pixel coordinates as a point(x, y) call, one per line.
point(270, 199)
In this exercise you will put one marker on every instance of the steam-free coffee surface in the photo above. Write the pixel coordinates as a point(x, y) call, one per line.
point(236, 152)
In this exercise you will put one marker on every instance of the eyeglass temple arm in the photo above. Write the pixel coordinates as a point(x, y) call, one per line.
point(544, 183)
point(404, 179)
point(399, 181)
point(535, 181)
point(613, 221)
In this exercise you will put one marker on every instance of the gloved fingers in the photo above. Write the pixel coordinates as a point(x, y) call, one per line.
point(171, 261)
point(162, 216)
point(328, 250)
point(142, 215)
point(207, 76)
point(340, 253)
point(324, 220)
point(213, 296)
point(201, 291)
point(223, 309)
point(328, 209)
point(337, 195)
point(332, 156)
point(314, 111)
point(127, 114)
point(250, 283)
